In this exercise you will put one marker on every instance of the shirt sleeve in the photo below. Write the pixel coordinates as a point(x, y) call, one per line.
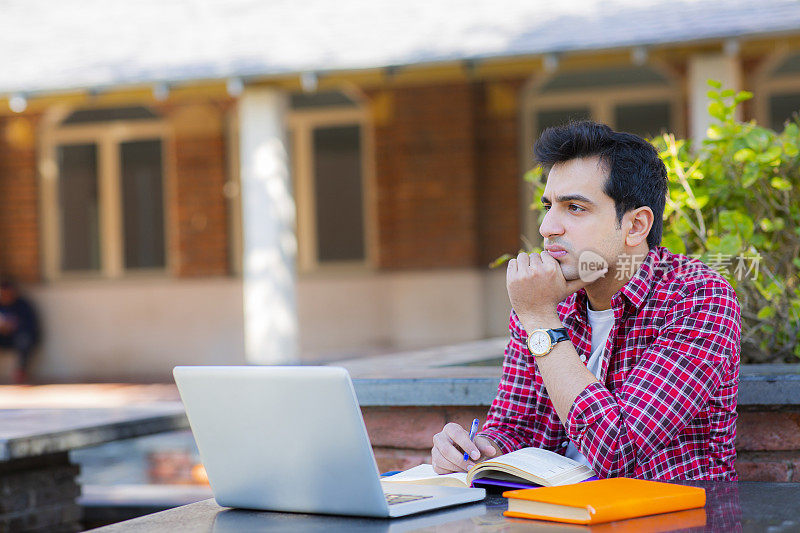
point(510, 416)
point(670, 384)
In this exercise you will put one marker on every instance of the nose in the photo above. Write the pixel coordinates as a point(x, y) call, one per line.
point(550, 224)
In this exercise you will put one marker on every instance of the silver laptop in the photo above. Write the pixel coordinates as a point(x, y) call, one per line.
point(283, 438)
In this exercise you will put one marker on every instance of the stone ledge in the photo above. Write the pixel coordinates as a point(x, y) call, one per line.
point(35, 432)
point(425, 391)
point(468, 373)
point(777, 385)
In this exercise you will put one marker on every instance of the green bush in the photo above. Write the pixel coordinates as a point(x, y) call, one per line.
point(734, 204)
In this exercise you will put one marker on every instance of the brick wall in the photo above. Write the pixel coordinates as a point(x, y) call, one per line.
point(39, 494)
point(767, 440)
point(198, 207)
point(446, 166)
point(426, 178)
point(768, 444)
point(401, 437)
point(19, 202)
point(498, 166)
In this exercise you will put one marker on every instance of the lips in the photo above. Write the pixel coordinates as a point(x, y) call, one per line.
point(556, 251)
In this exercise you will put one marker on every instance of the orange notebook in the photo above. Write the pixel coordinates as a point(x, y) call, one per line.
point(605, 500)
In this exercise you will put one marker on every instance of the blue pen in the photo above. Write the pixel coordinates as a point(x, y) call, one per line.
point(472, 431)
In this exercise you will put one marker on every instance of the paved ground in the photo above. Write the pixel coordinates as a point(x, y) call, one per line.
point(457, 360)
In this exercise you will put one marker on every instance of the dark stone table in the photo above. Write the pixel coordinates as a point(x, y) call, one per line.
point(730, 507)
point(38, 483)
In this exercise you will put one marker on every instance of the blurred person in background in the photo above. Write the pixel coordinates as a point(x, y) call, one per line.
point(19, 327)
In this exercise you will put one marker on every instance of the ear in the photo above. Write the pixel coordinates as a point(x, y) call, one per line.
point(639, 221)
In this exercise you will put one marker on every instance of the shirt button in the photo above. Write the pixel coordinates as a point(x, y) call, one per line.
point(565, 444)
point(583, 358)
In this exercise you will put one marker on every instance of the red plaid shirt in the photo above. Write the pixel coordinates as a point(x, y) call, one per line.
point(665, 403)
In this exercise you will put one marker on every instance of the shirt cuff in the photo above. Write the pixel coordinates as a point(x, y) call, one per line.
point(590, 406)
point(507, 445)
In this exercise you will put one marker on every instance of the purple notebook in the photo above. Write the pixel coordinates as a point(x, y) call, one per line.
point(486, 482)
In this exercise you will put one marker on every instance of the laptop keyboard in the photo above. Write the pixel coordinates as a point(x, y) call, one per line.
point(394, 499)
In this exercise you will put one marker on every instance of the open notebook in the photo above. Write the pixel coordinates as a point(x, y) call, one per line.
point(526, 465)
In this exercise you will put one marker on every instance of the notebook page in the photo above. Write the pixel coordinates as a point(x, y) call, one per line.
point(541, 463)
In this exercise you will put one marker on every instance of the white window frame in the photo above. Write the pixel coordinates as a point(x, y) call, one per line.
point(301, 125)
point(108, 136)
point(601, 103)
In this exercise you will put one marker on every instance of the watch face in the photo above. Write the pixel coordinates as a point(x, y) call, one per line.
point(539, 342)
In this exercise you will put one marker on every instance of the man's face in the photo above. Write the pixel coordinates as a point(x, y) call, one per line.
point(580, 216)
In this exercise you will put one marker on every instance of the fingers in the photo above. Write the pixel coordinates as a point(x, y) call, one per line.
point(442, 466)
point(525, 260)
point(449, 445)
point(460, 437)
point(447, 454)
point(519, 263)
point(485, 447)
point(445, 457)
point(522, 262)
point(547, 260)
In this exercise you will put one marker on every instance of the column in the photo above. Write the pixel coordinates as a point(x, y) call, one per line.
point(722, 67)
point(268, 230)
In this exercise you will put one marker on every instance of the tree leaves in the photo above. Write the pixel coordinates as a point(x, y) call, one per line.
point(735, 197)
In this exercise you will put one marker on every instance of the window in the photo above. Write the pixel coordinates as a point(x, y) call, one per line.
point(328, 136)
point(103, 198)
point(142, 203)
point(547, 118)
point(77, 188)
point(647, 120)
point(782, 108)
point(777, 89)
point(639, 99)
point(337, 193)
point(777, 94)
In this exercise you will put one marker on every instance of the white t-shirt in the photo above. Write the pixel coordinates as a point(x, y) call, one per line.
point(601, 323)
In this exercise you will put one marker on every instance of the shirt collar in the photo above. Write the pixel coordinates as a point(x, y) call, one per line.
point(637, 289)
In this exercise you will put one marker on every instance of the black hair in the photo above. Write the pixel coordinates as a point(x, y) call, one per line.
point(636, 174)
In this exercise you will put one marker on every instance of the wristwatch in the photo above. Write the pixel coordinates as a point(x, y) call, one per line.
point(541, 341)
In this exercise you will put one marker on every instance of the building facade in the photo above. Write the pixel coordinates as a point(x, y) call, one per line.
point(290, 217)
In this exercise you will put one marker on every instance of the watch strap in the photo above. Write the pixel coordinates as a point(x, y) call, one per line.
point(558, 334)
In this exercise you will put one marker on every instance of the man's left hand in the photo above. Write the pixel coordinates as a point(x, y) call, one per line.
point(536, 284)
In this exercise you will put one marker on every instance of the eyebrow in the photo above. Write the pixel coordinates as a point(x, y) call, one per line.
point(569, 198)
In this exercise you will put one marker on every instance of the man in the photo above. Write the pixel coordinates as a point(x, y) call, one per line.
point(642, 380)
point(19, 327)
